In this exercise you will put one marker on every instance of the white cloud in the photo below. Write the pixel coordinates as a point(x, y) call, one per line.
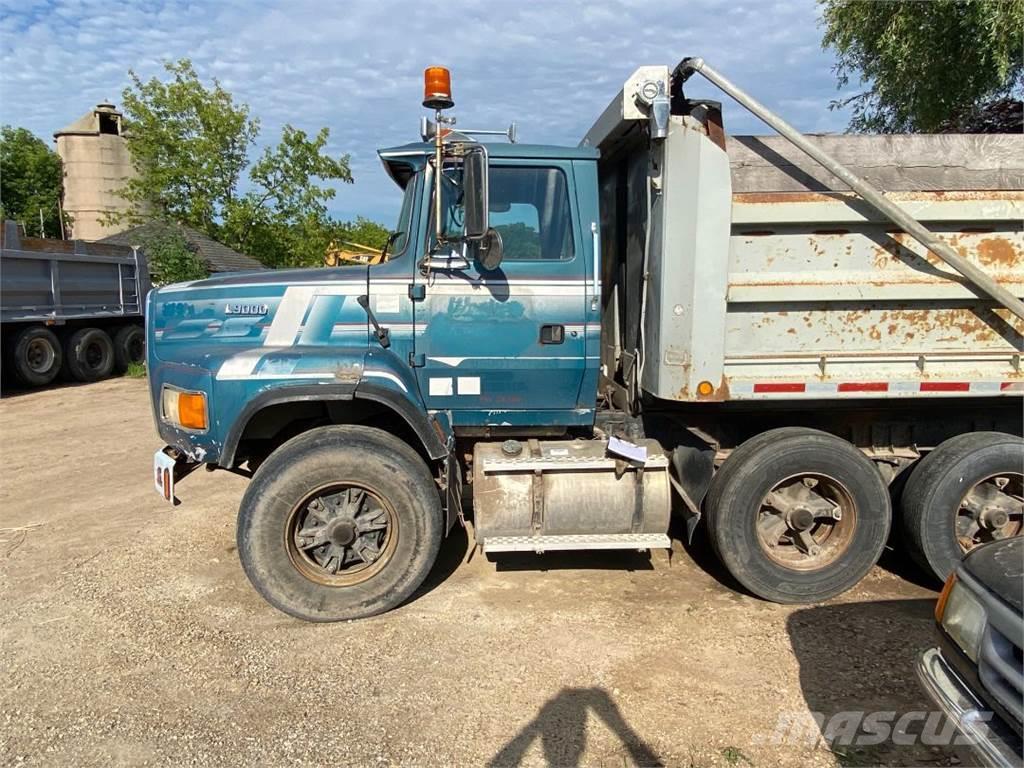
point(356, 67)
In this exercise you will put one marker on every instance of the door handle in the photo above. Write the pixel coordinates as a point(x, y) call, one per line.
point(552, 334)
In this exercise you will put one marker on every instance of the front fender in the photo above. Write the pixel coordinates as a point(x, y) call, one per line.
point(380, 376)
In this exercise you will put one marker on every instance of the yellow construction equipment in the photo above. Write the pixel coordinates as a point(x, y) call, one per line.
point(353, 253)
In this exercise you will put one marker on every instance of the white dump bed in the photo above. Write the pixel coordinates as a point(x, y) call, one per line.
point(825, 296)
point(767, 279)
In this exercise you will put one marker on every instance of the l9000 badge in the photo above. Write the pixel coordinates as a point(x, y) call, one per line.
point(246, 309)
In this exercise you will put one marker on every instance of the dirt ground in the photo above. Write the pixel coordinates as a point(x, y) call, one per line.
point(131, 636)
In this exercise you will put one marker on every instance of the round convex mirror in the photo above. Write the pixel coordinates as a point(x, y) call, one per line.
point(489, 251)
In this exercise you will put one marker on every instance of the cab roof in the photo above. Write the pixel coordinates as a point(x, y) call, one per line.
point(398, 159)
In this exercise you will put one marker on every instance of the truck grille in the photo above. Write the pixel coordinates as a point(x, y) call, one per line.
point(1001, 667)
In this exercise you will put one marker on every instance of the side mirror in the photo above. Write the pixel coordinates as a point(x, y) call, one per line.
point(474, 191)
point(489, 251)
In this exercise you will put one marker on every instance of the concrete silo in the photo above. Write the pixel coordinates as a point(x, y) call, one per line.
point(96, 164)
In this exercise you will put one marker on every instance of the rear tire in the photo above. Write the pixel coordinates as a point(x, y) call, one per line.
point(89, 355)
point(937, 527)
point(330, 484)
point(773, 520)
point(129, 347)
point(36, 356)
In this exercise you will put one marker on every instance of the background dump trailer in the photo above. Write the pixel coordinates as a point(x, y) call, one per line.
point(753, 304)
point(69, 307)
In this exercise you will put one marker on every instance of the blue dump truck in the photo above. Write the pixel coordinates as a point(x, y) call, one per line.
point(739, 330)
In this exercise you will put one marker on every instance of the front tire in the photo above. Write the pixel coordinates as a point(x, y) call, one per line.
point(341, 522)
point(964, 493)
point(798, 515)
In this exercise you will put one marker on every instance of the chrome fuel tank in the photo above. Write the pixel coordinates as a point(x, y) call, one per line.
point(568, 494)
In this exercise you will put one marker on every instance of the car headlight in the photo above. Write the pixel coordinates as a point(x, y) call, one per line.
point(963, 619)
point(183, 409)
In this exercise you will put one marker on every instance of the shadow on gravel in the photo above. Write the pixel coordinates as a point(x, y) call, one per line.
point(598, 560)
point(896, 561)
point(449, 558)
point(702, 555)
point(561, 728)
point(9, 389)
point(857, 659)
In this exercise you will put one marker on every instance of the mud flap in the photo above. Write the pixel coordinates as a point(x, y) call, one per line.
point(453, 492)
point(693, 469)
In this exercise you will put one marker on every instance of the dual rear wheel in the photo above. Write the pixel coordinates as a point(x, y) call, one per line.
point(799, 516)
point(965, 493)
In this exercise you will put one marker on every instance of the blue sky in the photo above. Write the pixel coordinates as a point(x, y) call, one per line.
point(357, 66)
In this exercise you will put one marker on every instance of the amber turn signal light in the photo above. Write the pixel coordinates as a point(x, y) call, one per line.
point(940, 606)
point(192, 410)
point(437, 88)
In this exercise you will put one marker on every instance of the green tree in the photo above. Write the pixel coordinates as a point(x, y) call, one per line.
point(170, 258)
point(31, 179)
point(283, 220)
point(924, 65)
point(190, 145)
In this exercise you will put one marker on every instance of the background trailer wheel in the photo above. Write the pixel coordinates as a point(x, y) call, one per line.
point(129, 346)
point(36, 356)
point(89, 355)
point(964, 493)
point(797, 515)
point(340, 522)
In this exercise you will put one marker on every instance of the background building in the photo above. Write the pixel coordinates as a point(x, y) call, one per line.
point(96, 164)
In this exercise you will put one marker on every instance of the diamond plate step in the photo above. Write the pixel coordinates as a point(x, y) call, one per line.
point(577, 541)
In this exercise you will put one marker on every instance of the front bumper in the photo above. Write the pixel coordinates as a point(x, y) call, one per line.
point(992, 740)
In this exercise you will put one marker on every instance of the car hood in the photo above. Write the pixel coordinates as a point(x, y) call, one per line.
point(1000, 567)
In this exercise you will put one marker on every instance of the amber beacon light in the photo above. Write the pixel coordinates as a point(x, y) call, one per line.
point(437, 88)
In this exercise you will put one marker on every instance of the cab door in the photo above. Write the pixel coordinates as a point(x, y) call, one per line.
point(508, 346)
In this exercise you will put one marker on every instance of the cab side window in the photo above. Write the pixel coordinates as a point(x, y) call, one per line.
point(529, 207)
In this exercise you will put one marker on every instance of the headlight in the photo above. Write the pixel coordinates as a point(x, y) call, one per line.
point(963, 618)
point(183, 409)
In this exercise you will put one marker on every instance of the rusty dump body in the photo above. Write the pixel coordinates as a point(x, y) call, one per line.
point(769, 280)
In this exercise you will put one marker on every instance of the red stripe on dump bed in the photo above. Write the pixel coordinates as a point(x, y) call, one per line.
point(863, 386)
point(780, 387)
point(945, 386)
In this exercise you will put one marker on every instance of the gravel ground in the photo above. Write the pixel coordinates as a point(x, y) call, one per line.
point(131, 636)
